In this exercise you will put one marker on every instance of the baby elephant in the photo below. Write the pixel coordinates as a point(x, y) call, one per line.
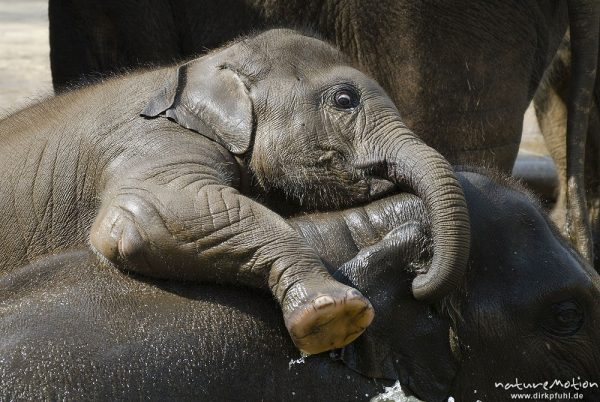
point(275, 116)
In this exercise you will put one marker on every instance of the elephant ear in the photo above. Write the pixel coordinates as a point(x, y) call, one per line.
point(369, 356)
point(408, 340)
point(209, 98)
point(415, 353)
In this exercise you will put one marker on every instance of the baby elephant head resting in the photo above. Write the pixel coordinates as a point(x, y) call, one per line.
point(319, 132)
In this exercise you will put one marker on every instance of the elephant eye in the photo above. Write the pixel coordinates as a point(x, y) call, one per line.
point(345, 98)
point(564, 319)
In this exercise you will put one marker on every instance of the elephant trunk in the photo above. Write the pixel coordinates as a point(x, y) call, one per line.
point(410, 162)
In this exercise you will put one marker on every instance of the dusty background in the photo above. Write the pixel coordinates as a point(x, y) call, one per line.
point(24, 53)
point(25, 64)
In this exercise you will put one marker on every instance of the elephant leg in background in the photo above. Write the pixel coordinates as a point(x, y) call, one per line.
point(100, 51)
point(91, 38)
point(550, 106)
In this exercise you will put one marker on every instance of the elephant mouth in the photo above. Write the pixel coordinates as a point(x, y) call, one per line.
point(333, 196)
point(323, 190)
point(379, 187)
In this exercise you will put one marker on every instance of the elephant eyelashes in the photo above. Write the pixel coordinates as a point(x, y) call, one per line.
point(346, 98)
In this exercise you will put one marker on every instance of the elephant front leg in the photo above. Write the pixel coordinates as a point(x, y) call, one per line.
point(319, 313)
point(218, 235)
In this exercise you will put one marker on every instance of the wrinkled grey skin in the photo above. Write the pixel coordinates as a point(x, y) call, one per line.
point(527, 308)
point(168, 202)
point(461, 72)
point(493, 53)
point(550, 103)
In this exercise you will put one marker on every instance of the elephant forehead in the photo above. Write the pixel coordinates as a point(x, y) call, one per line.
point(285, 47)
point(517, 257)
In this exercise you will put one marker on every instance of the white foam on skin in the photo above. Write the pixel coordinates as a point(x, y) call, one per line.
point(295, 361)
point(395, 393)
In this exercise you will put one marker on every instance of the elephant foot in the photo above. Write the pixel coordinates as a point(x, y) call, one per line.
point(329, 321)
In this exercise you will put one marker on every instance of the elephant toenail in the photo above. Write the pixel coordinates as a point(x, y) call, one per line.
point(322, 302)
point(354, 294)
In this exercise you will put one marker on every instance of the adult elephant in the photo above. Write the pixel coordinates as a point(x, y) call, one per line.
point(462, 72)
point(526, 313)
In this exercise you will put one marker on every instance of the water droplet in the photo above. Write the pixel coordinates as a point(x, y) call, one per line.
point(296, 361)
point(394, 393)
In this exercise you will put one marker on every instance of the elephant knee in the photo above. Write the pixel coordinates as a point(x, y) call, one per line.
point(120, 232)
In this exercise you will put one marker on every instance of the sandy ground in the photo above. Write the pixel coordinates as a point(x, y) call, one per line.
point(25, 64)
point(24, 53)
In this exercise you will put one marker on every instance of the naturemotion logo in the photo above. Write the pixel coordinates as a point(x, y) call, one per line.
point(556, 389)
